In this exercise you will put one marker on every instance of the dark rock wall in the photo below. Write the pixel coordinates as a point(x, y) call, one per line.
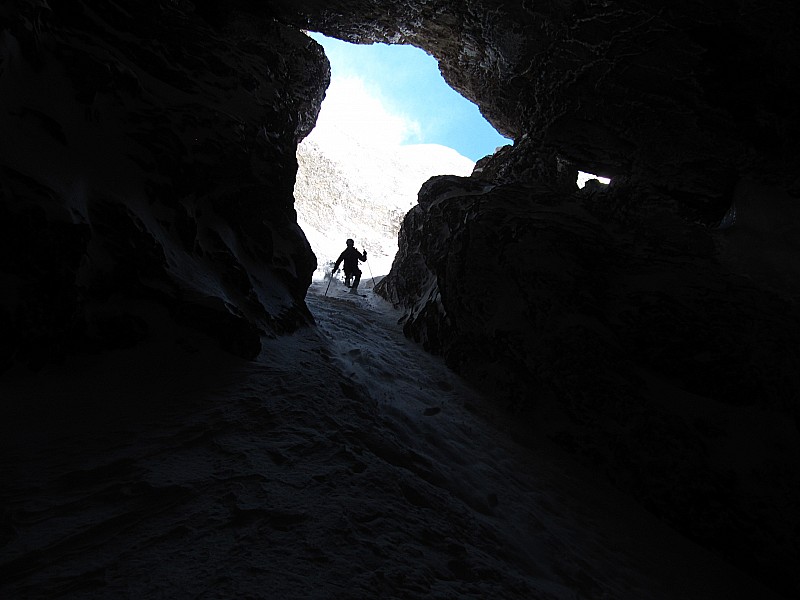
point(148, 153)
point(622, 338)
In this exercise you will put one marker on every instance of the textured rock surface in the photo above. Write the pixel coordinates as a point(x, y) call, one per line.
point(681, 99)
point(148, 157)
point(618, 334)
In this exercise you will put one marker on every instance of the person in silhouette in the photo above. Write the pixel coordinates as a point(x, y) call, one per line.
point(350, 257)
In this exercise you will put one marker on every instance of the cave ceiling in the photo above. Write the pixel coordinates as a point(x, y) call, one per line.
point(686, 95)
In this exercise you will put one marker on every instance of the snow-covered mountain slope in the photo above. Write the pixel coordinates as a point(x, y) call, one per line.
point(351, 189)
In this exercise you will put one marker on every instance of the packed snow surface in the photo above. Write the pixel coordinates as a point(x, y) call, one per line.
point(344, 462)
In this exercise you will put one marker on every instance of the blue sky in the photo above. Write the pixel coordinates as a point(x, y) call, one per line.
point(397, 93)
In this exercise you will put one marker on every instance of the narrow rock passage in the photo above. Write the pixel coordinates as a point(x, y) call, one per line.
point(343, 463)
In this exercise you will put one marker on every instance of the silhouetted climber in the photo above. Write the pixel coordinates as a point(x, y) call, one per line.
point(351, 256)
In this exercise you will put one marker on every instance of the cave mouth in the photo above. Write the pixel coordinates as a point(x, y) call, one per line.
point(388, 123)
point(396, 94)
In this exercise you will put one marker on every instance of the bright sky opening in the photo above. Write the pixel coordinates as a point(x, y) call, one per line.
point(584, 177)
point(390, 95)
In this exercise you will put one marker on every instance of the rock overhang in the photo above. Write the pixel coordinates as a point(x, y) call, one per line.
point(679, 100)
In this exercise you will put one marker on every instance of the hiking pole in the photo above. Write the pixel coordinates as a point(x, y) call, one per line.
point(370, 273)
point(325, 295)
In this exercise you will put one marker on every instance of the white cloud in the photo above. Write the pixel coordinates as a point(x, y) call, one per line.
point(352, 110)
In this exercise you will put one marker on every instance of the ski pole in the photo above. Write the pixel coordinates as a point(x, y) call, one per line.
point(329, 285)
point(370, 272)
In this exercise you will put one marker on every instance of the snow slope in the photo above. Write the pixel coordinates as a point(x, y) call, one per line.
point(343, 463)
point(351, 188)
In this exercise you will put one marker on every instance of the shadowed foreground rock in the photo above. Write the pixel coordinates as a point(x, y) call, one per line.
point(623, 339)
point(158, 169)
